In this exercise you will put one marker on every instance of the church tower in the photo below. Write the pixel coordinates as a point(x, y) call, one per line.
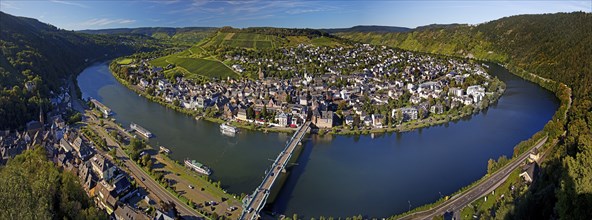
point(41, 115)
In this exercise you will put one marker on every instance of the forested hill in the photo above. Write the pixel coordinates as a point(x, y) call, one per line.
point(279, 32)
point(554, 46)
point(187, 35)
point(551, 45)
point(148, 31)
point(368, 28)
point(36, 52)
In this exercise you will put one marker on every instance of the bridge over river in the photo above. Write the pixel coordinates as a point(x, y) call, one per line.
point(257, 200)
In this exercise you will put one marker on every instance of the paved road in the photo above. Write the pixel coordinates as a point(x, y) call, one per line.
point(456, 203)
point(262, 192)
point(151, 185)
point(74, 99)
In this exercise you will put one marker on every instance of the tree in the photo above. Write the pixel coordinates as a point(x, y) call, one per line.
point(145, 159)
point(31, 187)
point(421, 113)
point(399, 117)
point(264, 113)
point(250, 113)
point(149, 165)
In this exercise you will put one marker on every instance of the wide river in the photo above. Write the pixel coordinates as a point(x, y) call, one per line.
point(343, 175)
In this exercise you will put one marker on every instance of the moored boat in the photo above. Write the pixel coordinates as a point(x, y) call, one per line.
point(141, 130)
point(225, 128)
point(198, 167)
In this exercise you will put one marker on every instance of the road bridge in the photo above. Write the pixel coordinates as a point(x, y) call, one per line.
point(256, 201)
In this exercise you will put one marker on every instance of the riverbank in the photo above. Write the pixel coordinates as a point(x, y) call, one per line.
point(197, 191)
point(551, 130)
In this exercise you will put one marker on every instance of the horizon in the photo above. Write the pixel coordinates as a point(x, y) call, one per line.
point(97, 15)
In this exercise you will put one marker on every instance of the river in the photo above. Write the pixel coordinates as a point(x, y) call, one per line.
point(376, 176)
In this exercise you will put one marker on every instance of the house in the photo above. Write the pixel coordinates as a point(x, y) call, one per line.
point(126, 212)
point(160, 215)
point(230, 110)
point(121, 185)
point(65, 145)
point(324, 119)
point(437, 109)
point(377, 120)
point(201, 102)
point(295, 122)
point(529, 172)
point(367, 120)
point(87, 177)
point(303, 100)
point(84, 151)
point(534, 156)
point(456, 91)
point(238, 68)
point(408, 113)
point(143, 83)
point(349, 120)
point(105, 200)
point(477, 92)
point(241, 114)
point(103, 167)
point(415, 99)
point(283, 119)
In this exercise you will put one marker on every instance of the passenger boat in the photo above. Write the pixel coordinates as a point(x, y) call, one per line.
point(225, 128)
point(141, 130)
point(198, 167)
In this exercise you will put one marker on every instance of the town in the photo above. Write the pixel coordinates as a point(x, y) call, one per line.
point(96, 151)
point(359, 87)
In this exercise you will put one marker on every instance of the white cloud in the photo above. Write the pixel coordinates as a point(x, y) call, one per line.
point(8, 5)
point(70, 3)
point(104, 22)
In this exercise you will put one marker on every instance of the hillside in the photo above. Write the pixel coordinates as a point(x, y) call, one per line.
point(185, 35)
point(550, 45)
point(31, 187)
point(368, 28)
point(554, 46)
point(202, 61)
point(43, 54)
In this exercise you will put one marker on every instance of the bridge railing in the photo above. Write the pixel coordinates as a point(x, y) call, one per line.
point(268, 174)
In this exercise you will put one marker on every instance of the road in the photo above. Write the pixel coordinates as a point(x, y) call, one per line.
point(262, 192)
point(456, 203)
point(151, 185)
point(74, 99)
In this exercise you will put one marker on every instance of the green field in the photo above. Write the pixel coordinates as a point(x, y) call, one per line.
point(192, 63)
point(244, 40)
point(125, 61)
point(209, 68)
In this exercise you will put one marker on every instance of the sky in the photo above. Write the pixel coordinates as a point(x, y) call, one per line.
point(79, 14)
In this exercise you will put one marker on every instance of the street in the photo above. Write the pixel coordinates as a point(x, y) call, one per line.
point(456, 203)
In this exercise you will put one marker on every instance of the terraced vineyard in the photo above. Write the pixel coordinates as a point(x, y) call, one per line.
point(245, 40)
point(197, 62)
point(209, 68)
point(194, 62)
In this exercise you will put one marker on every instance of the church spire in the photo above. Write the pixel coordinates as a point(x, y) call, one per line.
point(41, 116)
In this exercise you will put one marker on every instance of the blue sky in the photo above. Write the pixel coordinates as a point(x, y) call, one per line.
point(77, 15)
